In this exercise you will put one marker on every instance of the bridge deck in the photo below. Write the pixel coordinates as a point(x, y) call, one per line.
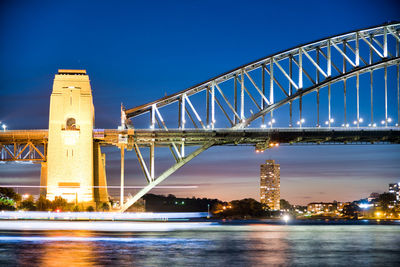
point(192, 137)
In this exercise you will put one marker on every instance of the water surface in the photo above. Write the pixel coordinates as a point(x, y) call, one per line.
point(218, 245)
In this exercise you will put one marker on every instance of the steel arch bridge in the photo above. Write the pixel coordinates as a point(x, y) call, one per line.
point(263, 103)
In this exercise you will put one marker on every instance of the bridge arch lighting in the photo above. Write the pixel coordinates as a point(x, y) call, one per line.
point(353, 47)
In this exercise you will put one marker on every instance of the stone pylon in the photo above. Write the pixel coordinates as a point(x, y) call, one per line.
point(75, 164)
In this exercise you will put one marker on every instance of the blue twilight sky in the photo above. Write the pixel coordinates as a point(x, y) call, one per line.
point(138, 51)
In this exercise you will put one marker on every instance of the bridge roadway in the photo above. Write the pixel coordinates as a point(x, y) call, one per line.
point(194, 137)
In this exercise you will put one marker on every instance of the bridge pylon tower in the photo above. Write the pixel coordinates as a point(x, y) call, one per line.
point(75, 164)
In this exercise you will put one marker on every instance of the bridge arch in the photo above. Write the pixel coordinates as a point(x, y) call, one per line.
point(250, 92)
point(265, 85)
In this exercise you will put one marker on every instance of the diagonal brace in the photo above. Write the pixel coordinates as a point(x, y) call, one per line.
point(258, 89)
point(165, 175)
point(314, 63)
point(286, 75)
point(142, 162)
point(343, 54)
point(371, 46)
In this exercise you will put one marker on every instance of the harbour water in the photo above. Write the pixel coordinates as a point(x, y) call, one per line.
point(208, 245)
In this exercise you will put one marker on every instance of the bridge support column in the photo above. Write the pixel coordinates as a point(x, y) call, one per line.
point(99, 175)
point(43, 179)
point(121, 203)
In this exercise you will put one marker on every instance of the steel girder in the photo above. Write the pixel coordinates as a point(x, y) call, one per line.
point(26, 151)
point(194, 137)
point(23, 145)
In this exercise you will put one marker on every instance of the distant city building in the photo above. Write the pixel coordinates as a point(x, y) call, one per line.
point(395, 189)
point(321, 207)
point(373, 196)
point(340, 205)
point(270, 184)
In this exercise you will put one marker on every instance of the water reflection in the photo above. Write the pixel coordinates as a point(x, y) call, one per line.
point(251, 245)
point(268, 244)
point(64, 253)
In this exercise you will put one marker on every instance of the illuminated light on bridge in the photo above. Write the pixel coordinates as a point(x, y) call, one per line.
point(306, 84)
point(300, 122)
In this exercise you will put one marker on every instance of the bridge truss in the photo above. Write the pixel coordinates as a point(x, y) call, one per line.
point(23, 146)
point(254, 97)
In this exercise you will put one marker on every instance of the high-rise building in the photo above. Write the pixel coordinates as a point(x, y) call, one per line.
point(395, 189)
point(270, 184)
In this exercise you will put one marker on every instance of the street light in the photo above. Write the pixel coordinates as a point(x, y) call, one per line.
point(4, 127)
point(360, 120)
point(328, 122)
point(300, 122)
point(270, 123)
point(386, 121)
point(286, 218)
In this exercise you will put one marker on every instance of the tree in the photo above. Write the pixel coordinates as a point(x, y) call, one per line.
point(6, 203)
point(28, 204)
point(385, 199)
point(111, 201)
point(105, 206)
point(285, 205)
point(171, 196)
point(59, 204)
point(90, 209)
point(247, 207)
point(7, 192)
point(351, 210)
point(8, 198)
point(43, 204)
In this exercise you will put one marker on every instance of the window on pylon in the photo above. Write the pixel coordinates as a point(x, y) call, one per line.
point(71, 124)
